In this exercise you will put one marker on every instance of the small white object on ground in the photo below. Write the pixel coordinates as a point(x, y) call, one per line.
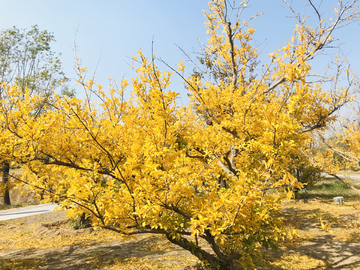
point(339, 200)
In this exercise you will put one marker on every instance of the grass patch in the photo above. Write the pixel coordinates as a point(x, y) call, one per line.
point(328, 188)
point(18, 205)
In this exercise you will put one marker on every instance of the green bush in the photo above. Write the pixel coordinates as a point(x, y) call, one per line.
point(80, 222)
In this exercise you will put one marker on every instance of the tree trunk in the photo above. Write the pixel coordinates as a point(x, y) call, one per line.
point(298, 175)
point(195, 250)
point(209, 259)
point(5, 180)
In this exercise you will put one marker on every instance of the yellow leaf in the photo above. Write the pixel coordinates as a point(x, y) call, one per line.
point(181, 66)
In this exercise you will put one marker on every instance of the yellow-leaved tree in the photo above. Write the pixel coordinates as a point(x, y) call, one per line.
point(26, 60)
point(342, 150)
point(210, 174)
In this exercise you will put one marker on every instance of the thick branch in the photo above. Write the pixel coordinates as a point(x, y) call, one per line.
point(47, 161)
point(234, 151)
point(232, 52)
point(193, 248)
point(342, 180)
point(341, 153)
point(177, 210)
point(225, 169)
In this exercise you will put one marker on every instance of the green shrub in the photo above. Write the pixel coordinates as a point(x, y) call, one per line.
point(81, 222)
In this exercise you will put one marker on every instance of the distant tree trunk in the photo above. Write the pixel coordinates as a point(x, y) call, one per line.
point(5, 179)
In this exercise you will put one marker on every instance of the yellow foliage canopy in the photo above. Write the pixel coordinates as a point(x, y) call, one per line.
point(216, 169)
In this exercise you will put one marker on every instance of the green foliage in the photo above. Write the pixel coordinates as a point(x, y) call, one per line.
point(334, 188)
point(66, 91)
point(80, 222)
point(26, 59)
point(304, 171)
point(308, 174)
point(217, 265)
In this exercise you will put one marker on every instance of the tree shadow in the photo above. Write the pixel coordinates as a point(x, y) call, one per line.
point(337, 254)
point(28, 263)
point(103, 255)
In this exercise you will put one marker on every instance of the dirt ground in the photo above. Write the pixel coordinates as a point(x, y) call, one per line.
point(337, 250)
point(47, 241)
point(318, 250)
point(152, 252)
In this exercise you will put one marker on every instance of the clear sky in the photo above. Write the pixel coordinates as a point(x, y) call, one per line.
point(111, 30)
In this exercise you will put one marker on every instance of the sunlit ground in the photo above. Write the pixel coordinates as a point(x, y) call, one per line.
point(31, 245)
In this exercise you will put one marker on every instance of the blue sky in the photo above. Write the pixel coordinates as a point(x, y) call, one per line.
point(110, 31)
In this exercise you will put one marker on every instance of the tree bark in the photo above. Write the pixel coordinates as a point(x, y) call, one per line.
point(195, 250)
point(202, 255)
point(5, 180)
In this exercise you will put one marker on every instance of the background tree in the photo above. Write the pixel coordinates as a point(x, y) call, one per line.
point(149, 165)
point(26, 60)
point(343, 147)
point(338, 148)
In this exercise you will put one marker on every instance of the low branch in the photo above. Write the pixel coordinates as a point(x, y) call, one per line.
point(196, 250)
point(54, 161)
point(341, 153)
point(225, 169)
point(342, 180)
point(177, 210)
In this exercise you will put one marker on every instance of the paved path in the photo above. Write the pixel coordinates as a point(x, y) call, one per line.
point(352, 177)
point(27, 211)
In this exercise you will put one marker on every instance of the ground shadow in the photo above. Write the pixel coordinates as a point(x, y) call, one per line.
point(100, 256)
point(338, 254)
